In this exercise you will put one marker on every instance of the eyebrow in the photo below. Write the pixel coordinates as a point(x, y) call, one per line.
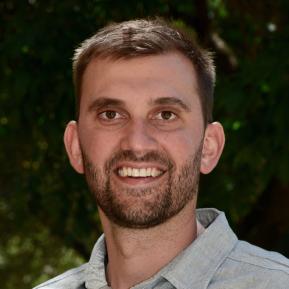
point(104, 101)
point(171, 100)
point(107, 101)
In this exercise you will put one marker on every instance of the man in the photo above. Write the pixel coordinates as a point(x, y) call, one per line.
point(144, 133)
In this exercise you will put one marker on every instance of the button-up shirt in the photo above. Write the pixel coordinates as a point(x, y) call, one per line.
point(215, 260)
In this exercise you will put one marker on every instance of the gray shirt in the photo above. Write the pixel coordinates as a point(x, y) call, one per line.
point(215, 260)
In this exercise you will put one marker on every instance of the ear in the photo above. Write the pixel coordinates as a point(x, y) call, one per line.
point(213, 145)
point(72, 146)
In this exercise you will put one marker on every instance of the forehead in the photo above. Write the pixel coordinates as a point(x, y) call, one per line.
point(141, 79)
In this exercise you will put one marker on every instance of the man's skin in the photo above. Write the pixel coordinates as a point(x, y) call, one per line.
point(155, 107)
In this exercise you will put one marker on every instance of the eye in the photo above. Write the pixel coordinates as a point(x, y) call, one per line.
point(166, 115)
point(110, 115)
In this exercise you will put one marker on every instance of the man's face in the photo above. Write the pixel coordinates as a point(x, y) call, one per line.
point(141, 135)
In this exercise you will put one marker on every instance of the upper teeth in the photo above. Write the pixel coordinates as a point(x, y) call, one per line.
point(142, 172)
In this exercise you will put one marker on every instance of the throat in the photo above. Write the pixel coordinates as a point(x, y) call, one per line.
point(137, 255)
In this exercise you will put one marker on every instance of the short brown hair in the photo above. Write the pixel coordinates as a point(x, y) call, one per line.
point(138, 38)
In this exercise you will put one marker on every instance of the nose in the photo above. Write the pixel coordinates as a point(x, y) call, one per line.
point(139, 138)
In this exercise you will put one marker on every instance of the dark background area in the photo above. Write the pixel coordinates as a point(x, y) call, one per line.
point(48, 219)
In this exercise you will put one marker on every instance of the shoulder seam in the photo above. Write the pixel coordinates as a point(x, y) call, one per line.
point(260, 266)
point(59, 278)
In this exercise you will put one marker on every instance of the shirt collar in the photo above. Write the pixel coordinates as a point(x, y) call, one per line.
point(193, 268)
point(95, 271)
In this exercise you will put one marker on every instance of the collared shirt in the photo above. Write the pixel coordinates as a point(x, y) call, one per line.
point(215, 260)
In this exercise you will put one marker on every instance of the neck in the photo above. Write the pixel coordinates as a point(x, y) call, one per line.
point(131, 251)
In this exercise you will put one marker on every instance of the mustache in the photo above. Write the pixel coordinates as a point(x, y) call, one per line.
point(129, 155)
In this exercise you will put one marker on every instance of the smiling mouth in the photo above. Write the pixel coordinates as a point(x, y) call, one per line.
point(145, 172)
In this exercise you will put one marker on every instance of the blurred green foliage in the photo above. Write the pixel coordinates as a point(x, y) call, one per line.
point(48, 220)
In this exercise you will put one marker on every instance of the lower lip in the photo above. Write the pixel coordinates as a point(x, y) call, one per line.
point(139, 180)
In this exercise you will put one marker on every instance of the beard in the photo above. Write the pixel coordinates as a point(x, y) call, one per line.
point(141, 208)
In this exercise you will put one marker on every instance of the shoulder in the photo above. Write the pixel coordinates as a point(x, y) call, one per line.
point(71, 279)
point(257, 256)
point(249, 266)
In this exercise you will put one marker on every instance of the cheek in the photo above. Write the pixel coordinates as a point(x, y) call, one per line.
point(180, 144)
point(98, 145)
